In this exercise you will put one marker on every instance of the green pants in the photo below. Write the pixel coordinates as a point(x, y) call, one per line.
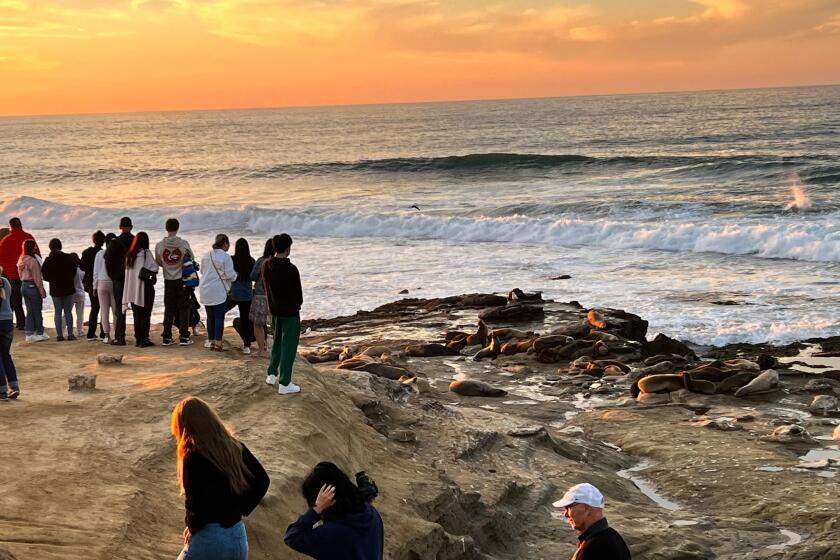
point(286, 338)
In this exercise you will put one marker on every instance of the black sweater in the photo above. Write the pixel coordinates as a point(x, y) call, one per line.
point(282, 280)
point(88, 259)
point(209, 497)
point(59, 270)
point(601, 542)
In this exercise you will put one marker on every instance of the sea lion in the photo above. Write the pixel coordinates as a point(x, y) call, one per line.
point(518, 295)
point(663, 383)
point(473, 388)
point(734, 381)
point(480, 337)
point(384, 370)
point(615, 363)
point(574, 330)
point(429, 350)
point(595, 319)
point(517, 346)
point(600, 348)
point(504, 334)
point(354, 363)
point(744, 365)
point(452, 335)
point(551, 341)
point(554, 355)
point(711, 374)
point(766, 381)
point(457, 343)
point(346, 352)
point(492, 350)
point(696, 385)
point(613, 371)
point(603, 336)
point(375, 351)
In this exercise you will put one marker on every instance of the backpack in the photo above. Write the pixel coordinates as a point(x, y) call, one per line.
point(189, 272)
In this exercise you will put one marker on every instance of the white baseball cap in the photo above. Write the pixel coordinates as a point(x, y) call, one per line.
point(581, 494)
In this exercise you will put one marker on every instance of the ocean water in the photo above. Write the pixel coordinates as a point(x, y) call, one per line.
point(715, 215)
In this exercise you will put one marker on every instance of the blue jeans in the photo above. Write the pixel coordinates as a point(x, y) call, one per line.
point(214, 542)
point(215, 320)
point(63, 306)
point(34, 304)
point(8, 373)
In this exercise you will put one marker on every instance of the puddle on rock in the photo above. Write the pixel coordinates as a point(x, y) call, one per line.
point(792, 540)
point(646, 487)
point(832, 453)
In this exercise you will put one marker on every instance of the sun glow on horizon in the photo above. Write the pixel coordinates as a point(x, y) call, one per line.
point(75, 56)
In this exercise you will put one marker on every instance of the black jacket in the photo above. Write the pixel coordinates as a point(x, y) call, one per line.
point(88, 259)
point(282, 281)
point(115, 261)
point(601, 542)
point(209, 497)
point(356, 536)
point(126, 239)
point(59, 270)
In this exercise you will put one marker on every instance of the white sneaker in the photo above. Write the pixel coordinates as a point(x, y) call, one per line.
point(207, 344)
point(271, 380)
point(31, 337)
point(105, 340)
point(288, 389)
point(40, 337)
point(246, 350)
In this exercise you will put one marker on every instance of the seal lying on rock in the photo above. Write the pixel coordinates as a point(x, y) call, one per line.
point(473, 388)
point(664, 383)
point(766, 381)
point(595, 319)
point(734, 381)
point(429, 350)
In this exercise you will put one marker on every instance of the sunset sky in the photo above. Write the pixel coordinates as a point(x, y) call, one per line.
point(70, 56)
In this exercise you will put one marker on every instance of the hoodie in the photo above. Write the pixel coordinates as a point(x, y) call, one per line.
point(358, 536)
point(169, 254)
point(11, 248)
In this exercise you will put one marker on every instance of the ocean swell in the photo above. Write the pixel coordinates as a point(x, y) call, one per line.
point(794, 236)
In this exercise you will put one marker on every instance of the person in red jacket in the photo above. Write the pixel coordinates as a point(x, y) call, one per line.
point(11, 248)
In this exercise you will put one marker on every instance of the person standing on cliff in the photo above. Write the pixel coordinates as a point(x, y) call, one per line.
point(170, 254)
point(285, 296)
point(583, 507)
point(11, 248)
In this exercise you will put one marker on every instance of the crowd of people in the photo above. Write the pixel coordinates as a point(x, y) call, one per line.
point(119, 272)
point(220, 478)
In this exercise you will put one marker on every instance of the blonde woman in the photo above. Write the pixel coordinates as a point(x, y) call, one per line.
point(221, 482)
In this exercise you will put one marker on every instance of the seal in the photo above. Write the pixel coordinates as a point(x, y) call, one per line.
point(504, 334)
point(480, 337)
point(429, 350)
point(735, 381)
point(766, 381)
point(492, 350)
point(473, 388)
point(374, 351)
point(663, 383)
point(384, 370)
point(517, 346)
point(696, 385)
point(551, 341)
point(596, 320)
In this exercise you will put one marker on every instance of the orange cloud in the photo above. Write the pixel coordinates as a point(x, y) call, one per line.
point(113, 55)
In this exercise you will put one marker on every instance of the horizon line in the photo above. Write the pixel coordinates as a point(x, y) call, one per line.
point(414, 102)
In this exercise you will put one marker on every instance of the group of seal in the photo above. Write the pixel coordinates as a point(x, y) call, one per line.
point(740, 377)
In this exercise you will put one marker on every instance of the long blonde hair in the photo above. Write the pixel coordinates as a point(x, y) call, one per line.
point(198, 429)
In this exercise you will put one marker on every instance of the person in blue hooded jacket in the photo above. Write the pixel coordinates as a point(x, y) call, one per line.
point(348, 527)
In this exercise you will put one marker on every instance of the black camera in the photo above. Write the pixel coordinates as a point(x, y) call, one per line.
point(367, 487)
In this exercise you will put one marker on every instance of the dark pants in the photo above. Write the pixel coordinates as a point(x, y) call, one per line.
point(8, 373)
point(93, 318)
point(17, 304)
point(246, 329)
point(143, 315)
point(119, 327)
point(176, 308)
point(63, 313)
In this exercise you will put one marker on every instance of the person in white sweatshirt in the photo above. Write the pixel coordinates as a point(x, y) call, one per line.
point(218, 274)
point(139, 291)
point(105, 291)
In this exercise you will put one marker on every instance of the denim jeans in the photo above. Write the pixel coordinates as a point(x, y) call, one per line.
point(214, 542)
point(215, 320)
point(34, 305)
point(63, 306)
point(8, 373)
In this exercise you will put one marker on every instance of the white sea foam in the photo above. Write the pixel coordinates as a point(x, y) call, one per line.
point(813, 238)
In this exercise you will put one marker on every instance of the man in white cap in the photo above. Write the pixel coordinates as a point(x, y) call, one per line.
point(583, 507)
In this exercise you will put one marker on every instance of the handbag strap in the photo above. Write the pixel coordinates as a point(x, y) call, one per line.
point(213, 262)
